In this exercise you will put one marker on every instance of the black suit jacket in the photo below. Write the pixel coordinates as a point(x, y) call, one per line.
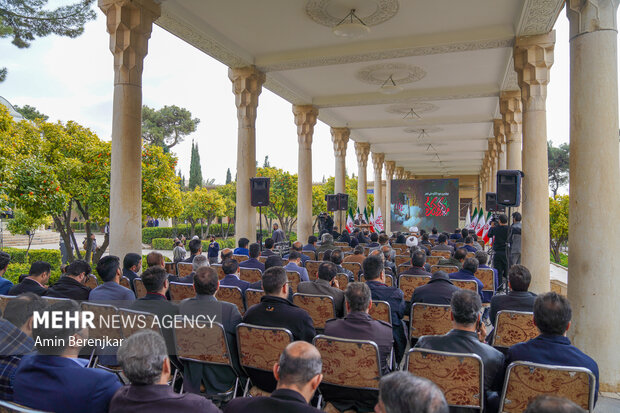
point(160, 306)
point(278, 312)
point(280, 401)
point(67, 287)
point(158, 398)
point(322, 287)
point(437, 291)
point(131, 275)
point(514, 300)
point(27, 286)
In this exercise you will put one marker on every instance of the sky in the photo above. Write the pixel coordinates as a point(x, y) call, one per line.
point(72, 79)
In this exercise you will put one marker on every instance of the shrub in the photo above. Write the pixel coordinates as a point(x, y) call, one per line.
point(149, 233)
point(18, 255)
point(162, 244)
point(14, 270)
point(81, 227)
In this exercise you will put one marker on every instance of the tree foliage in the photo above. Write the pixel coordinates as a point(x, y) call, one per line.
point(25, 224)
point(195, 171)
point(202, 205)
point(167, 126)
point(229, 195)
point(31, 113)
point(282, 196)
point(558, 158)
point(228, 176)
point(558, 224)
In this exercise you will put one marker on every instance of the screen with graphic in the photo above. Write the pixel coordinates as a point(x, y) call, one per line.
point(424, 203)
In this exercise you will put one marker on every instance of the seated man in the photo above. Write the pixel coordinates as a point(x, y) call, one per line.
point(37, 278)
point(470, 266)
point(438, 290)
point(268, 251)
point(55, 379)
point(552, 404)
point(418, 261)
point(482, 258)
point(231, 269)
point(297, 246)
point(109, 269)
point(469, 244)
point(155, 258)
point(298, 374)
point(442, 244)
point(466, 336)
point(357, 256)
point(5, 285)
point(253, 261)
point(226, 254)
point(434, 234)
point(311, 245)
point(132, 264)
point(16, 337)
point(146, 364)
point(457, 235)
point(456, 259)
point(358, 325)
point(216, 379)
point(71, 285)
point(375, 278)
point(387, 261)
point(518, 297)
point(374, 241)
point(552, 315)
point(336, 258)
point(294, 264)
point(327, 243)
point(325, 284)
point(195, 248)
point(199, 262)
point(242, 248)
point(402, 392)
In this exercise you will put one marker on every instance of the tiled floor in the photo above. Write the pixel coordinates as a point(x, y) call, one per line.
point(608, 404)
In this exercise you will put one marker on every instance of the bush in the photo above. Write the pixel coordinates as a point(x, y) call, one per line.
point(81, 227)
point(18, 255)
point(149, 233)
point(14, 270)
point(167, 243)
point(162, 244)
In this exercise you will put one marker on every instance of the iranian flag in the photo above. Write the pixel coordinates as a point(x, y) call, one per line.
point(467, 219)
point(379, 221)
point(350, 225)
point(480, 223)
point(486, 228)
point(474, 220)
point(370, 219)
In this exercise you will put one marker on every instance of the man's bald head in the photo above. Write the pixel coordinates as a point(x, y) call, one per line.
point(552, 404)
point(299, 363)
point(297, 246)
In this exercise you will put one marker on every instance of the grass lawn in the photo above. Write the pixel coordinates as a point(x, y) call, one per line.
point(563, 259)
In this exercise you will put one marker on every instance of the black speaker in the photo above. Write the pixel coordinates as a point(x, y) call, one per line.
point(343, 202)
point(491, 203)
point(509, 188)
point(259, 191)
point(332, 202)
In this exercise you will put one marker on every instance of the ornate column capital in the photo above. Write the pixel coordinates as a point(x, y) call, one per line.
point(130, 24)
point(377, 161)
point(362, 149)
point(247, 83)
point(498, 131)
point(389, 169)
point(340, 138)
point(400, 172)
point(305, 119)
point(586, 16)
point(510, 108)
point(533, 58)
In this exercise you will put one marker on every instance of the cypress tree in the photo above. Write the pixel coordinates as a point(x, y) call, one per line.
point(228, 176)
point(195, 172)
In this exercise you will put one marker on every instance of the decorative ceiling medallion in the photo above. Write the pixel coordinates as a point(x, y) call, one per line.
point(330, 12)
point(417, 107)
point(428, 130)
point(401, 73)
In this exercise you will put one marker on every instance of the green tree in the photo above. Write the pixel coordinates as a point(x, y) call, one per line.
point(24, 224)
point(282, 196)
point(202, 205)
point(266, 162)
point(195, 171)
point(558, 224)
point(318, 203)
point(31, 113)
point(167, 126)
point(229, 195)
point(228, 176)
point(558, 158)
point(23, 20)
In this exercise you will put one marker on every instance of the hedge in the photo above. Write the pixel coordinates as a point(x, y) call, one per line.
point(167, 243)
point(81, 226)
point(149, 233)
point(18, 255)
point(14, 270)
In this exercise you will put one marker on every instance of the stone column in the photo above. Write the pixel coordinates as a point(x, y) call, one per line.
point(533, 57)
point(377, 163)
point(387, 215)
point(362, 149)
point(340, 138)
point(305, 119)
point(510, 108)
point(247, 85)
point(480, 191)
point(400, 172)
point(500, 140)
point(492, 165)
point(129, 24)
point(593, 286)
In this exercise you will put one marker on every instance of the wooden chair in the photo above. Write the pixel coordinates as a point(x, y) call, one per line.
point(104, 326)
point(466, 284)
point(293, 280)
point(525, 381)
point(320, 256)
point(470, 255)
point(232, 295)
point(513, 327)
point(240, 258)
point(125, 282)
point(53, 300)
point(310, 254)
point(204, 343)
point(343, 281)
point(366, 251)
point(250, 275)
point(134, 321)
point(401, 248)
point(4, 300)
point(285, 262)
point(138, 287)
point(487, 277)
point(346, 249)
point(171, 268)
point(312, 267)
point(403, 267)
point(402, 259)
point(429, 320)
point(408, 283)
point(380, 310)
point(184, 268)
point(448, 269)
point(459, 376)
point(10, 407)
point(262, 259)
point(354, 267)
point(253, 296)
point(441, 253)
point(181, 291)
point(433, 259)
point(220, 271)
point(91, 281)
point(320, 307)
point(341, 244)
point(459, 245)
point(260, 348)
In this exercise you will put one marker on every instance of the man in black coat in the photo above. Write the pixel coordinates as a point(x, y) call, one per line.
point(298, 374)
point(132, 263)
point(71, 285)
point(38, 276)
point(438, 290)
point(325, 284)
point(518, 298)
point(418, 262)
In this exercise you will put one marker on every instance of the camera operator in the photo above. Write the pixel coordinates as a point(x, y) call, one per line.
point(499, 230)
point(514, 239)
point(326, 223)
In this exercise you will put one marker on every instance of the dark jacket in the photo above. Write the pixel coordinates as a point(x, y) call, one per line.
point(322, 287)
point(161, 307)
point(132, 275)
point(416, 271)
point(361, 326)
point(514, 300)
point(451, 261)
point(253, 263)
point(67, 287)
point(278, 312)
point(28, 285)
point(436, 291)
point(231, 280)
point(280, 401)
point(468, 276)
point(442, 247)
point(158, 398)
point(394, 297)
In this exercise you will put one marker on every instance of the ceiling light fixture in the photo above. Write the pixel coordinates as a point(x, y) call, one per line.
point(389, 87)
point(351, 26)
point(412, 115)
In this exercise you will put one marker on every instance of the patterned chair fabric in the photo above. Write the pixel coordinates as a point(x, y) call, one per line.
point(408, 283)
point(459, 244)
point(4, 300)
point(253, 296)
point(346, 248)
point(349, 363)
point(184, 268)
point(429, 320)
point(132, 322)
point(341, 244)
point(91, 281)
point(403, 267)
point(171, 268)
point(343, 281)
point(232, 295)
point(181, 291)
point(433, 259)
point(354, 267)
point(202, 343)
point(513, 327)
point(470, 254)
point(401, 259)
point(448, 269)
point(459, 376)
point(466, 284)
point(125, 282)
point(250, 275)
point(220, 272)
point(262, 259)
point(380, 310)
point(139, 287)
point(401, 248)
point(525, 381)
point(240, 258)
point(102, 312)
point(389, 280)
point(313, 269)
point(320, 307)
point(294, 279)
point(260, 347)
point(440, 253)
point(486, 276)
point(310, 254)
